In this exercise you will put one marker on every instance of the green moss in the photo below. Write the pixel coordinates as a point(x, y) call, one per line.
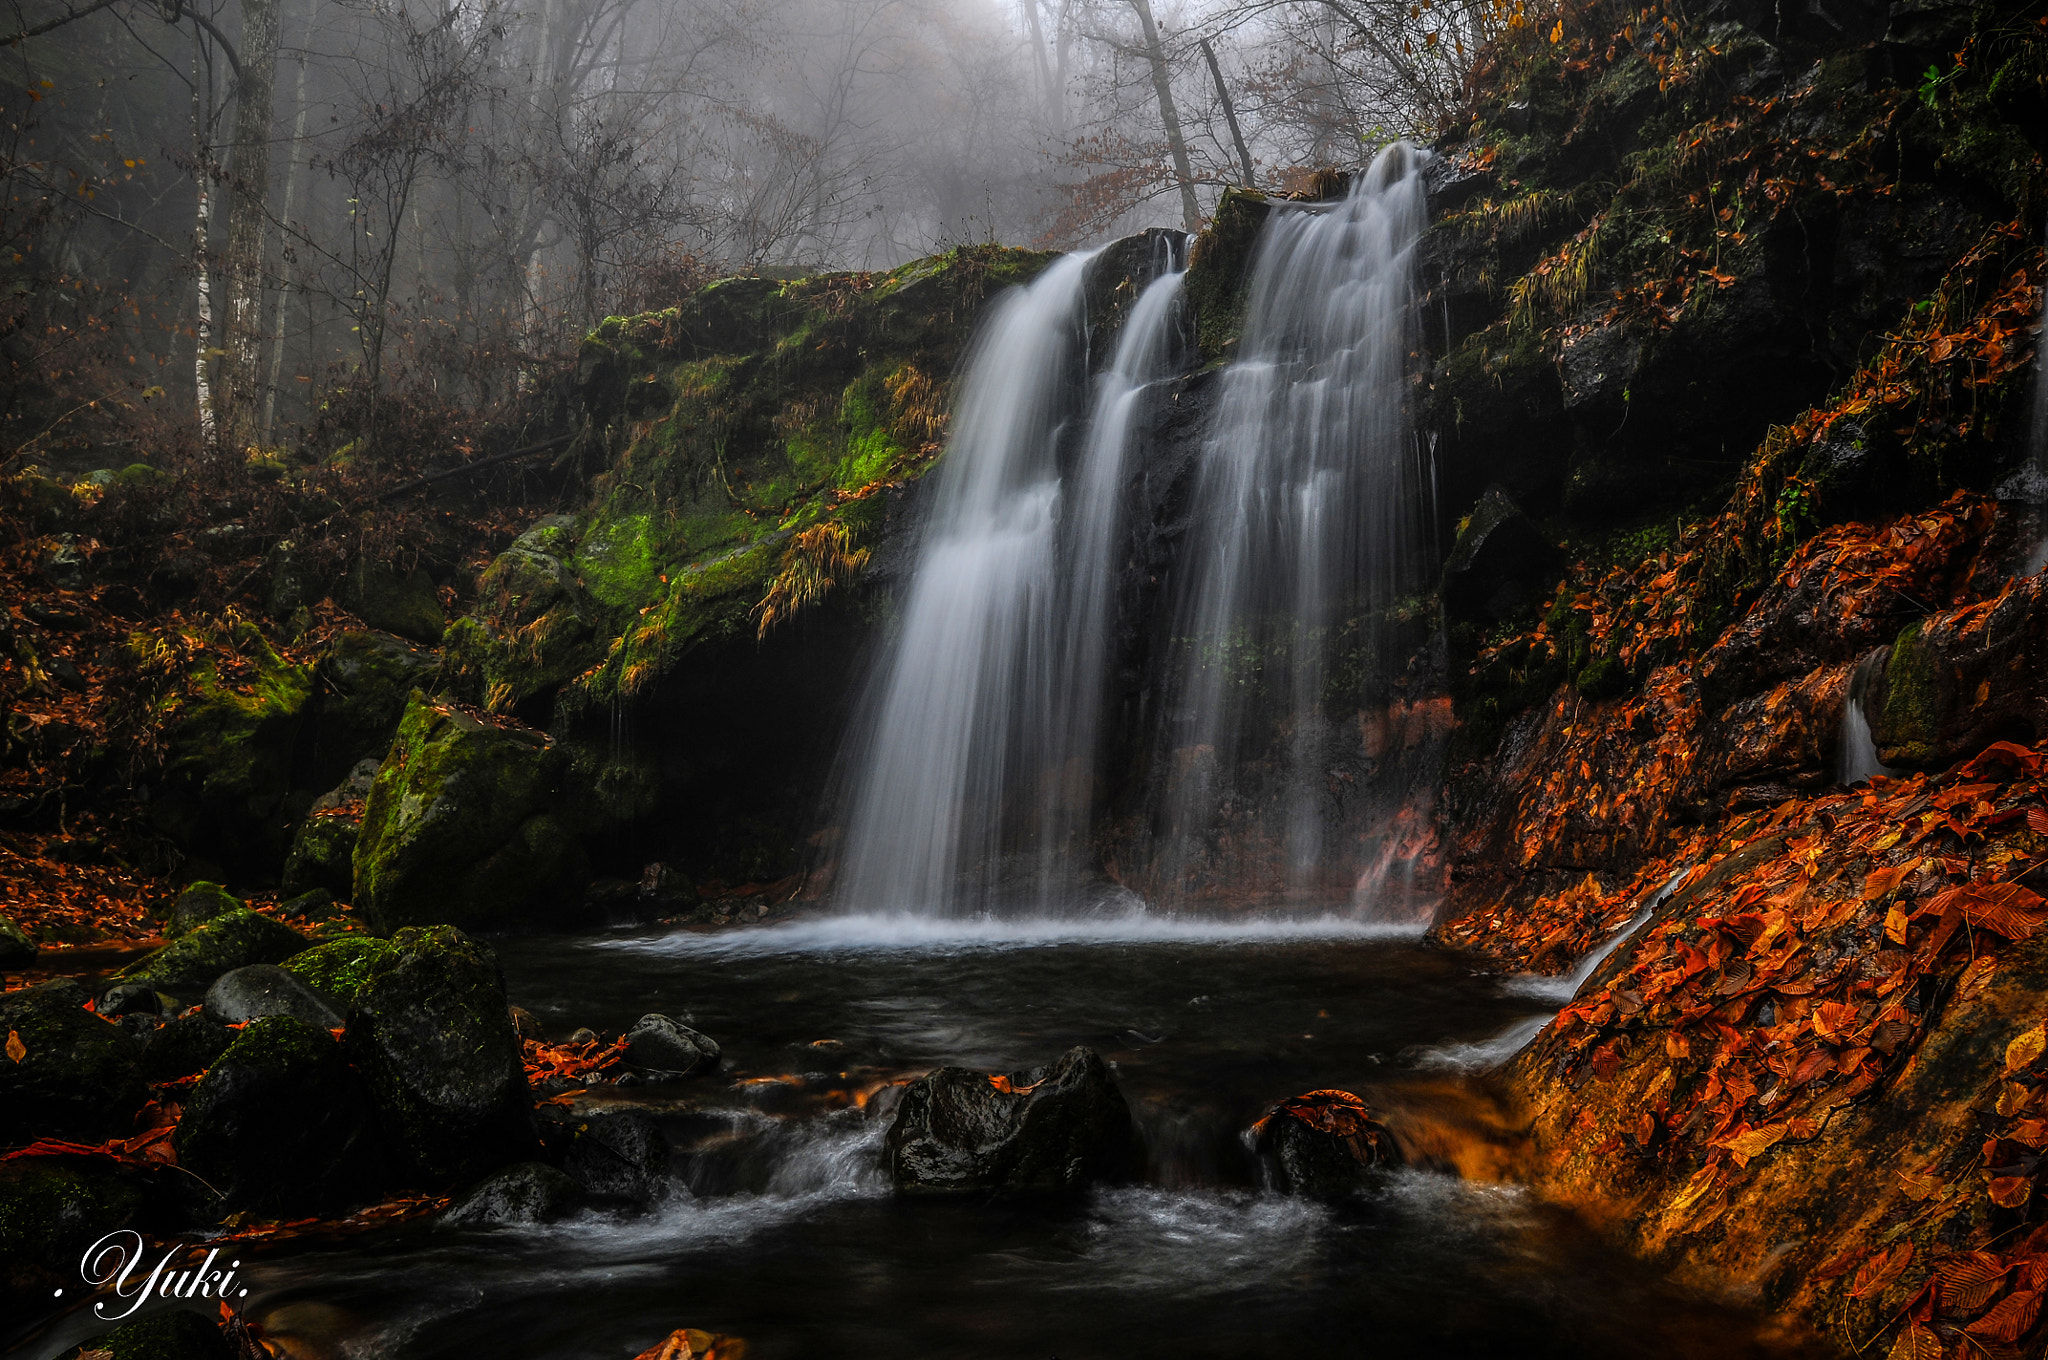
point(1219, 270)
point(49, 1212)
point(338, 967)
point(1908, 728)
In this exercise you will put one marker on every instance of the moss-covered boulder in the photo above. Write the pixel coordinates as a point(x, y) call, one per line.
point(51, 1210)
point(464, 824)
point(323, 856)
point(76, 1077)
point(179, 1334)
point(262, 990)
point(187, 966)
point(279, 1125)
point(1219, 270)
point(361, 685)
point(338, 968)
point(197, 904)
point(228, 768)
point(432, 1036)
point(1958, 680)
point(401, 602)
point(17, 950)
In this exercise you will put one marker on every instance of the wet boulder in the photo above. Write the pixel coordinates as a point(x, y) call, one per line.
point(525, 1193)
point(338, 968)
point(262, 990)
point(76, 1077)
point(197, 904)
point(279, 1124)
point(187, 966)
point(662, 1048)
point(432, 1035)
point(17, 950)
point(364, 679)
point(463, 824)
point(1959, 680)
point(1324, 1144)
point(316, 904)
point(1050, 1129)
point(184, 1044)
point(132, 998)
point(322, 857)
point(618, 1155)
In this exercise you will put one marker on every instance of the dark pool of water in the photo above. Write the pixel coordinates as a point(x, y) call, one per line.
point(782, 1229)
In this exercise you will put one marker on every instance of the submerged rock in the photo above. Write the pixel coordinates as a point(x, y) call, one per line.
point(662, 1048)
point(186, 967)
point(1049, 1129)
point(525, 1193)
point(262, 990)
point(431, 1034)
point(76, 1077)
point(1324, 1143)
point(279, 1123)
point(461, 827)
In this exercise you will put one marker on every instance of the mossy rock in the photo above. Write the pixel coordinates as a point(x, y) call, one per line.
point(1219, 270)
point(279, 1124)
point(462, 825)
point(17, 949)
point(228, 769)
point(534, 626)
point(198, 903)
point(339, 967)
point(45, 505)
point(51, 1210)
point(77, 1077)
point(363, 680)
point(322, 857)
point(1602, 678)
point(1907, 723)
point(178, 1334)
point(432, 1035)
point(187, 966)
point(404, 603)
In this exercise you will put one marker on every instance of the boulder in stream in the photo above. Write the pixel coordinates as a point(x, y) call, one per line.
point(663, 1048)
point(525, 1193)
point(1324, 1144)
point(1050, 1129)
point(76, 1077)
point(279, 1123)
point(433, 1038)
point(619, 1155)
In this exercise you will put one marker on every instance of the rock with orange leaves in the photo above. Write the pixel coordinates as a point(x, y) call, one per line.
point(1323, 1144)
point(689, 1343)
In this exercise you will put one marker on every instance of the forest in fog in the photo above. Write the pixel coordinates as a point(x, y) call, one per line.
point(226, 220)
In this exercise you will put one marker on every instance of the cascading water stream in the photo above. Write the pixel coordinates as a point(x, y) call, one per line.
point(1858, 760)
point(1311, 507)
point(971, 772)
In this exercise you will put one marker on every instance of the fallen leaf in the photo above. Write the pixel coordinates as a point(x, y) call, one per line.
point(2026, 1048)
point(1918, 1188)
point(16, 1049)
point(1880, 1272)
point(1916, 1343)
point(2011, 1319)
point(2010, 1192)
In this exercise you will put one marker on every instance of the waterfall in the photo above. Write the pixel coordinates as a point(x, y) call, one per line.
point(1857, 760)
point(1311, 512)
point(972, 764)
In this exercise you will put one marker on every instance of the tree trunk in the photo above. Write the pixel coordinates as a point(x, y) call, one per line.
point(247, 219)
point(284, 286)
point(1230, 114)
point(1055, 95)
point(202, 330)
point(1190, 214)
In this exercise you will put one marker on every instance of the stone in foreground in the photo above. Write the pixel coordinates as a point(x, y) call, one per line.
point(1324, 1144)
point(1051, 1129)
point(75, 1076)
point(662, 1048)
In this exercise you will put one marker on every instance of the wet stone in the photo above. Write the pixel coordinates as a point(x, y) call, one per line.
point(264, 989)
point(1050, 1129)
point(663, 1048)
point(525, 1193)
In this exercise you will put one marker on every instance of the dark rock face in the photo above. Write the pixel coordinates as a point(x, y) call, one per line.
point(1049, 1129)
point(1959, 680)
point(1324, 1144)
point(77, 1078)
point(404, 604)
point(279, 1123)
point(363, 682)
point(432, 1037)
point(618, 1155)
point(464, 824)
point(186, 967)
point(1499, 563)
point(662, 1048)
point(196, 905)
point(262, 990)
point(526, 1193)
point(183, 1045)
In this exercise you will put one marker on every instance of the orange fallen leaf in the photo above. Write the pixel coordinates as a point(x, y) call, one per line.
point(2011, 1319)
point(1880, 1272)
point(2026, 1048)
point(16, 1049)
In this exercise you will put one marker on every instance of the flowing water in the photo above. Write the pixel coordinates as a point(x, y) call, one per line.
point(1857, 760)
point(973, 765)
point(779, 1225)
point(1312, 505)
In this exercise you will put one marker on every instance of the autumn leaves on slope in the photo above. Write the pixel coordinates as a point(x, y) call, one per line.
point(1843, 1039)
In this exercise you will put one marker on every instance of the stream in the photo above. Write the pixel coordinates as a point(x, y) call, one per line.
point(780, 1226)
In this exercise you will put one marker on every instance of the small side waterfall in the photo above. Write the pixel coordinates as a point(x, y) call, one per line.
point(972, 764)
point(1312, 507)
point(1857, 760)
